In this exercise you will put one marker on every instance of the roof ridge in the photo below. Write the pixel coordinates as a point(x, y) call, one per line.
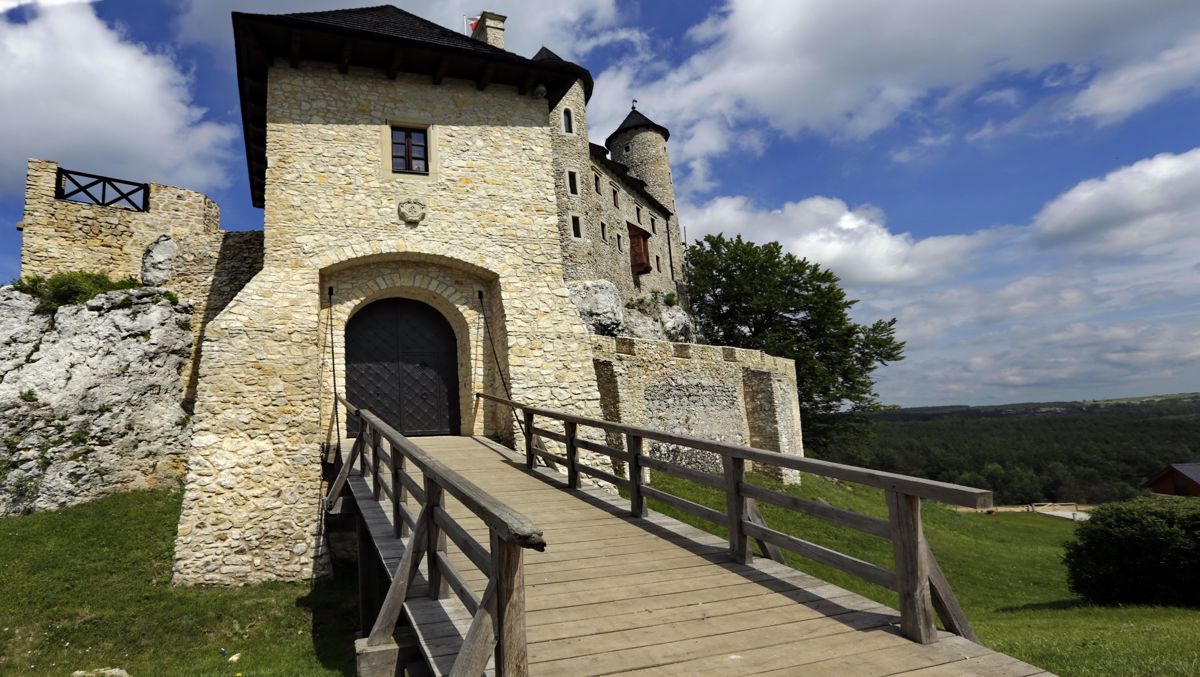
point(446, 32)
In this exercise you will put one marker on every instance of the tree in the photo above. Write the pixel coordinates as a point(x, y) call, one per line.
point(757, 296)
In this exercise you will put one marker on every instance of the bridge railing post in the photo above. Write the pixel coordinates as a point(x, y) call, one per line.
point(637, 503)
point(508, 576)
point(528, 440)
point(736, 508)
point(912, 568)
point(434, 497)
point(571, 430)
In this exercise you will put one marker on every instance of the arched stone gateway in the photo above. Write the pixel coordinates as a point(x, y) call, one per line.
point(402, 364)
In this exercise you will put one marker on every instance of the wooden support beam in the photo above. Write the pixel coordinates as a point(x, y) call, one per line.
point(637, 502)
point(528, 440)
point(435, 497)
point(393, 602)
point(572, 454)
point(480, 641)
point(945, 602)
point(912, 568)
point(344, 61)
point(439, 73)
point(508, 576)
point(485, 77)
point(396, 62)
point(755, 516)
point(294, 50)
point(736, 509)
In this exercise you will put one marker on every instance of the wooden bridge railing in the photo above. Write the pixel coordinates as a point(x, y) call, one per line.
point(498, 623)
point(916, 576)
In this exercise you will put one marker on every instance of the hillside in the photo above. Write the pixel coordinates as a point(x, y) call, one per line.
point(1088, 452)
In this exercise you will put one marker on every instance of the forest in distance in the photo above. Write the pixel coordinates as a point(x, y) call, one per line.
point(1085, 452)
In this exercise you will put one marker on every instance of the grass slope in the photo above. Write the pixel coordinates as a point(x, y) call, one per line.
point(1005, 569)
point(89, 587)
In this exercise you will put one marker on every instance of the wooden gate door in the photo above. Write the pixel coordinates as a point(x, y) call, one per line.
point(402, 364)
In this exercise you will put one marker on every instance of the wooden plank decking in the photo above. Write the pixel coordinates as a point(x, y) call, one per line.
point(617, 595)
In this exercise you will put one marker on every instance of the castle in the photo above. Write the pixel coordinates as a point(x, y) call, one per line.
point(429, 200)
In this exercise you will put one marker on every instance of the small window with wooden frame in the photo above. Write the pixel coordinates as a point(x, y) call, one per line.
point(568, 121)
point(639, 250)
point(410, 150)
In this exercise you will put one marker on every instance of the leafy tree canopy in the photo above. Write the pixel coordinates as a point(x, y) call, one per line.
point(758, 296)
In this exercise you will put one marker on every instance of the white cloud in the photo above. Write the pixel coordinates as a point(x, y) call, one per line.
point(850, 69)
point(1008, 96)
point(855, 243)
point(1041, 311)
point(1114, 96)
point(78, 92)
point(569, 27)
point(1130, 210)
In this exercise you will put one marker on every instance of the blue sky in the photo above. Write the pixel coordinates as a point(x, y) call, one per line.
point(1017, 182)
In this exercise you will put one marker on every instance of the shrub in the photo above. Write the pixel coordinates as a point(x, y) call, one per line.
point(70, 288)
point(28, 395)
point(1140, 551)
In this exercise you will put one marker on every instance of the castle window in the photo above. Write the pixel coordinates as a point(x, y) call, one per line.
point(658, 263)
point(604, 231)
point(568, 123)
point(572, 183)
point(576, 231)
point(620, 243)
point(616, 196)
point(653, 225)
point(410, 150)
point(639, 251)
point(626, 148)
point(596, 182)
point(638, 210)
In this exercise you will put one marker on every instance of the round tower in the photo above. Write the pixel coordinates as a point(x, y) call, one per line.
point(640, 144)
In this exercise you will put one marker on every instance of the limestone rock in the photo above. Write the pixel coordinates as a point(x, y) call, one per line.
point(158, 260)
point(599, 304)
point(90, 403)
point(102, 672)
point(677, 324)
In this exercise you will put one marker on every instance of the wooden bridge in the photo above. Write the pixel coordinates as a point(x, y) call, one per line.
point(475, 560)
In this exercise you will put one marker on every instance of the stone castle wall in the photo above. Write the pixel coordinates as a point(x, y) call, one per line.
point(603, 254)
point(208, 268)
point(252, 504)
point(725, 394)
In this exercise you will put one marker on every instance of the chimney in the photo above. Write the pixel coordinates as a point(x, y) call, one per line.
point(489, 28)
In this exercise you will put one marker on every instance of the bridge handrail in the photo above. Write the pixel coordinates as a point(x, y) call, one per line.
point(955, 494)
point(922, 587)
point(498, 623)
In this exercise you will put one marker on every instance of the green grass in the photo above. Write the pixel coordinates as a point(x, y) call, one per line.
point(1007, 572)
point(89, 587)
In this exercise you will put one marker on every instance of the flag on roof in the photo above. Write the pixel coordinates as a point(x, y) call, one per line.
point(469, 23)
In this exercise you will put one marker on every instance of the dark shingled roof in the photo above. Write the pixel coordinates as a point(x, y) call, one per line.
point(1189, 470)
point(635, 120)
point(386, 20)
point(387, 39)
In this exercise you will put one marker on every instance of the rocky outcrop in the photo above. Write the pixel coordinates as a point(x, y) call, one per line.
point(648, 317)
point(158, 260)
point(90, 398)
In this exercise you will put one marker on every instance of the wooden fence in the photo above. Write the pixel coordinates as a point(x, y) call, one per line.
point(916, 576)
point(498, 623)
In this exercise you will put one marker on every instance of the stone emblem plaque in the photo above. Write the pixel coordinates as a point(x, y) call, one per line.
point(412, 211)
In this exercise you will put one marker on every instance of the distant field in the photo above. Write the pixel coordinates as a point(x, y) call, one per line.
point(1006, 570)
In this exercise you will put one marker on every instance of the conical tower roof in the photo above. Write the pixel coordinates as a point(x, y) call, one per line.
point(635, 120)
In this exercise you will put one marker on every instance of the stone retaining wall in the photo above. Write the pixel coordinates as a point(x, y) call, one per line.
point(719, 393)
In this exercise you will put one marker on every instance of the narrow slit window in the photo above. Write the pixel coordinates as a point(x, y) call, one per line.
point(616, 195)
point(572, 183)
point(596, 182)
point(568, 122)
point(658, 263)
point(410, 150)
point(575, 229)
point(638, 210)
point(653, 225)
point(604, 231)
point(620, 244)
